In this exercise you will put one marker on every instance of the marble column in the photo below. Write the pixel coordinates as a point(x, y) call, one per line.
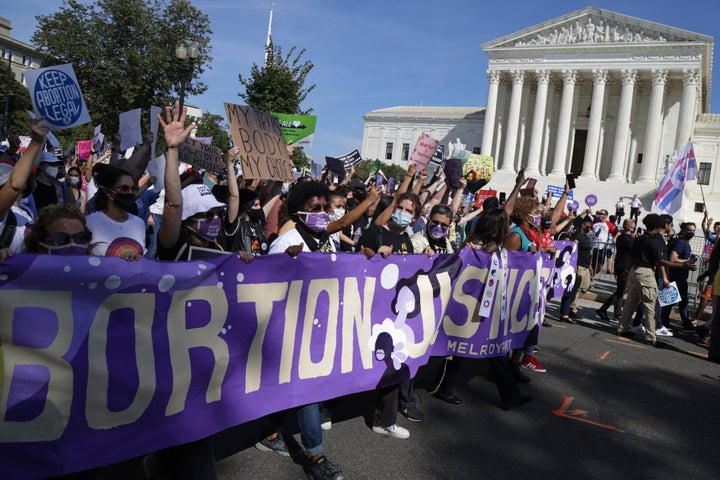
point(513, 123)
point(490, 112)
point(594, 124)
point(564, 120)
point(536, 133)
point(653, 131)
point(686, 120)
point(619, 157)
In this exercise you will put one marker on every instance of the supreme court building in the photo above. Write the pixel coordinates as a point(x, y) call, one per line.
point(608, 97)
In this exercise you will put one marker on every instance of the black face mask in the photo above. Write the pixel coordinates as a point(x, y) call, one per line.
point(126, 201)
point(256, 214)
point(546, 223)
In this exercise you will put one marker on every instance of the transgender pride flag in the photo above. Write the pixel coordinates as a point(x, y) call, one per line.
point(670, 192)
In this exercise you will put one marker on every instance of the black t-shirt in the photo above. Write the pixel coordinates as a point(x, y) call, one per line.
point(623, 258)
point(648, 250)
point(246, 236)
point(376, 236)
point(45, 195)
point(584, 247)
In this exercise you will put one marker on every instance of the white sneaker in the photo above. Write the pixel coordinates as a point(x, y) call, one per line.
point(393, 430)
point(663, 332)
point(640, 330)
point(326, 425)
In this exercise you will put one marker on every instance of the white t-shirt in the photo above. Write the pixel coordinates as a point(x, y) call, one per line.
point(601, 234)
point(620, 204)
point(90, 188)
point(288, 239)
point(636, 203)
point(112, 238)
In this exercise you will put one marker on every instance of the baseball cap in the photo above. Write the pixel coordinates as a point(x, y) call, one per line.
point(198, 198)
point(48, 157)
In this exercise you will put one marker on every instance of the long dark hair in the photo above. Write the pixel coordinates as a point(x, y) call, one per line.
point(107, 177)
point(492, 226)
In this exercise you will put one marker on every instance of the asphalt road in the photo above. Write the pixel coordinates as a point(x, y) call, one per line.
point(608, 408)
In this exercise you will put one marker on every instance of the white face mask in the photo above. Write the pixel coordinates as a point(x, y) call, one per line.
point(337, 214)
point(51, 172)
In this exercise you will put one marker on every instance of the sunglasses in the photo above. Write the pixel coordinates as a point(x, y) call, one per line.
point(439, 224)
point(315, 208)
point(209, 215)
point(58, 239)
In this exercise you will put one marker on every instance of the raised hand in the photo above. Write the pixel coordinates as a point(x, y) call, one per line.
point(39, 128)
point(174, 126)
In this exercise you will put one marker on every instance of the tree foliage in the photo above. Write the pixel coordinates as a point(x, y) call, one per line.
point(362, 170)
point(279, 86)
point(213, 125)
point(123, 51)
point(19, 102)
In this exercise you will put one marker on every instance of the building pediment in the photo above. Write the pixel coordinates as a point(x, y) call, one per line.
point(593, 26)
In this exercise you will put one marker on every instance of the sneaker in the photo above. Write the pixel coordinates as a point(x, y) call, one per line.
point(640, 330)
point(576, 316)
point(412, 414)
point(531, 363)
point(688, 327)
point(323, 469)
point(663, 332)
point(602, 314)
point(327, 425)
point(394, 430)
point(276, 445)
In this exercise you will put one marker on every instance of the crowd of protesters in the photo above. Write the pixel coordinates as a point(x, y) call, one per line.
point(107, 205)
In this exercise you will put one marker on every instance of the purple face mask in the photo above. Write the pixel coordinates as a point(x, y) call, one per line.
point(437, 232)
point(316, 221)
point(535, 220)
point(69, 249)
point(209, 230)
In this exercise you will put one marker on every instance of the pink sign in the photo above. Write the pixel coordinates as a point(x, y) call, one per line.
point(424, 150)
point(84, 149)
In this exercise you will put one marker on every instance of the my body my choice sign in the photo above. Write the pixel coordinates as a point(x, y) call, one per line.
point(55, 94)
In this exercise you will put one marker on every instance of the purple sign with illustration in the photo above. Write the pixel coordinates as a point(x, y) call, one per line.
point(573, 205)
point(591, 200)
point(105, 360)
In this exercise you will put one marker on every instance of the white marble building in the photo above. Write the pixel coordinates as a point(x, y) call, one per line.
point(608, 97)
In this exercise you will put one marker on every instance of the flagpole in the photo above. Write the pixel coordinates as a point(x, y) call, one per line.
point(697, 175)
point(268, 41)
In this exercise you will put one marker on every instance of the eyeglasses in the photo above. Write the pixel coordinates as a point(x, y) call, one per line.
point(126, 189)
point(433, 223)
point(58, 239)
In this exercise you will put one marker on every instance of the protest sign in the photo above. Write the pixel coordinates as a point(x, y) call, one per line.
point(350, 159)
point(52, 139)
point(478, 170)
point(205, 140)
point(263, 153)
point(84, 149)
point(116, 359)
point(591, 200)
point(454, 171)
point(573, 205)
point(156, 168)
point(669, 296)
point(201, 155)
point(55, 93)
point(98, 139)
point(154, 126)
point(316, 170)
point(423, 151)
point(24, 142)
point(483, 195)
point(558, 191)
point(297, 130)
point(336, 166)
point(130, 130)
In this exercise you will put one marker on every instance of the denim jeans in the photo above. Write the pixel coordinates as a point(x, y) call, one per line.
point(310, 431)
point(407, 399)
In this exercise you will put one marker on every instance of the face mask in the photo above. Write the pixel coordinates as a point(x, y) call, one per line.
point(126, 201)
point(437, 232)
point(52, 172)
point(69, 249)
point(689, 235)
point(209, 230)
point(401, 219)
point(546, 223)
point(337, 214)
point(535, 220)
point(208, 183)
point(256, 214)
point(74, 180)
point(317, 222)
point(285, 188)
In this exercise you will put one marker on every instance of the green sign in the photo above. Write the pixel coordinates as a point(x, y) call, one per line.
point(297, 130)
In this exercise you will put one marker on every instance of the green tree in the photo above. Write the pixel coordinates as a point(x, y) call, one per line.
point(362, 170)
point(279, 86)
point(19, 101)
point(122, 51)
point(212, 125)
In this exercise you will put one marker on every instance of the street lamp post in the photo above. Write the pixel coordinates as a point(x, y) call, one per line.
point(186, 57)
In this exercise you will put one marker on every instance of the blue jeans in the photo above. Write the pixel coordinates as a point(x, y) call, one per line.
point(407, 398)
point(310, 431)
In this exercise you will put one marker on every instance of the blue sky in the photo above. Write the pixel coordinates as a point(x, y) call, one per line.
point(375, 54)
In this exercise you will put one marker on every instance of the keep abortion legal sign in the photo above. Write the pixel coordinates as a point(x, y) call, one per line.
point(55, 94)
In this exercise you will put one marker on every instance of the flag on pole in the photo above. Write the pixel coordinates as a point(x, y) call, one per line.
point(670, 192)
point(375, 167)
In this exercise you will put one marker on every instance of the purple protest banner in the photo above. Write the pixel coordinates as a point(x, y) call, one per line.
point(112, 359)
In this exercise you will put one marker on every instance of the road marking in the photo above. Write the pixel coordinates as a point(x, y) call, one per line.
point(604, 355)
point(577, 414)
point(627, 343)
